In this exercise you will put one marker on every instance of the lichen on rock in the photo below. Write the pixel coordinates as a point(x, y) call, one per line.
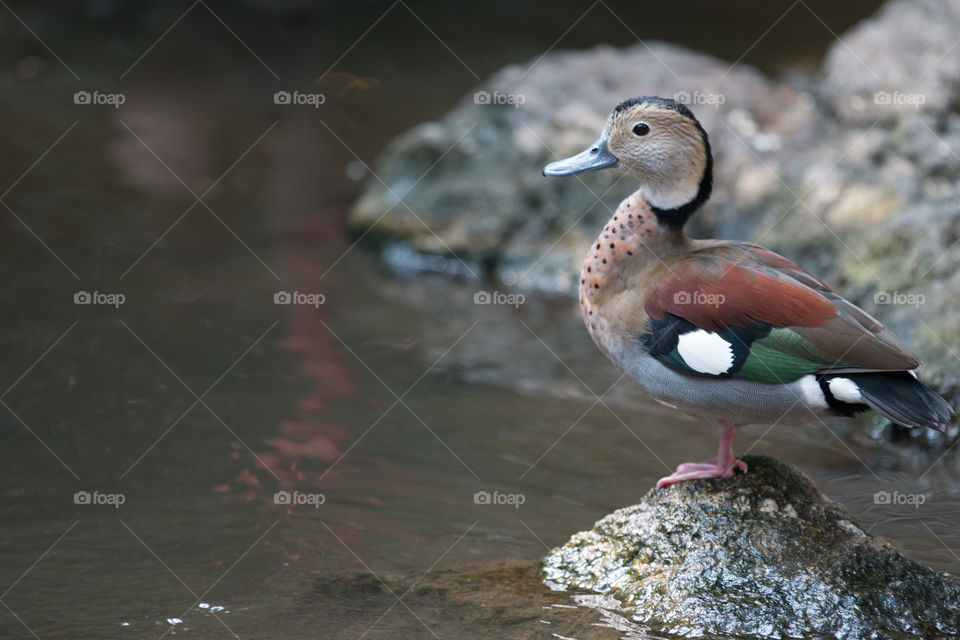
point(762, 554)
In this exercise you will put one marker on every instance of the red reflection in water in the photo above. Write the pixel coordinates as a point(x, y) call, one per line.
point(310, 451)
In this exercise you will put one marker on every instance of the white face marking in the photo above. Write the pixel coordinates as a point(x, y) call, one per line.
point(812, 393)
point(845, 390)
point(705, 351)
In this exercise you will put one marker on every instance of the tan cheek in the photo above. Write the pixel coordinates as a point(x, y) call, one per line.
point(619, 143)
point(635, 156)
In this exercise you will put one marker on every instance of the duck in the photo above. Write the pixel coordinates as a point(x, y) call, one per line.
point(726, 331)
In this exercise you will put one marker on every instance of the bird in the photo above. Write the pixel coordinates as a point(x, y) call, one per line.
point(723, 330)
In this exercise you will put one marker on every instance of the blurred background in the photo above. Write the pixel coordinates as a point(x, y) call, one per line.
point(190, 327)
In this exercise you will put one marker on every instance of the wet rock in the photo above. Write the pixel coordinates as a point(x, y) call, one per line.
point(763, 554)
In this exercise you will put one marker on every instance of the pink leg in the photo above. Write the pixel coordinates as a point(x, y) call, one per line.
point(720, 467)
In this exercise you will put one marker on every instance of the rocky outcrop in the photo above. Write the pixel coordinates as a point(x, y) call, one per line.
point(471, 184)
point(763, 554)
point(854, 174)
point(883, 184)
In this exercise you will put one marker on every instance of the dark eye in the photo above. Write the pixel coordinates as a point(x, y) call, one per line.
point(641, 129)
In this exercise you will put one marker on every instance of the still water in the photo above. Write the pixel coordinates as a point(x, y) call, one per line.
point(188, 455)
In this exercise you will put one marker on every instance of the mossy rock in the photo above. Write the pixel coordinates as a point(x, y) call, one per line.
point(762, 554)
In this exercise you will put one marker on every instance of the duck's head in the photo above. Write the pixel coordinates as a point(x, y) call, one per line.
point(661, 144)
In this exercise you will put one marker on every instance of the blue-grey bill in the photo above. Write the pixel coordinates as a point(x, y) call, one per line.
point(596, 156)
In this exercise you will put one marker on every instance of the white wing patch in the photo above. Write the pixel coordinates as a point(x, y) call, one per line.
point(812, 393)
point(845, 390)
point(705, 351)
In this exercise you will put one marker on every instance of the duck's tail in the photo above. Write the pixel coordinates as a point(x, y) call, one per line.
point(896, 395)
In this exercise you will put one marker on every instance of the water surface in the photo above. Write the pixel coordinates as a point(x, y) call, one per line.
point(386, 408)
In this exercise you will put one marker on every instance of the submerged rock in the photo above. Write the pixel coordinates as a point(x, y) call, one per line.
point(506, 601)
point(763, 554)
